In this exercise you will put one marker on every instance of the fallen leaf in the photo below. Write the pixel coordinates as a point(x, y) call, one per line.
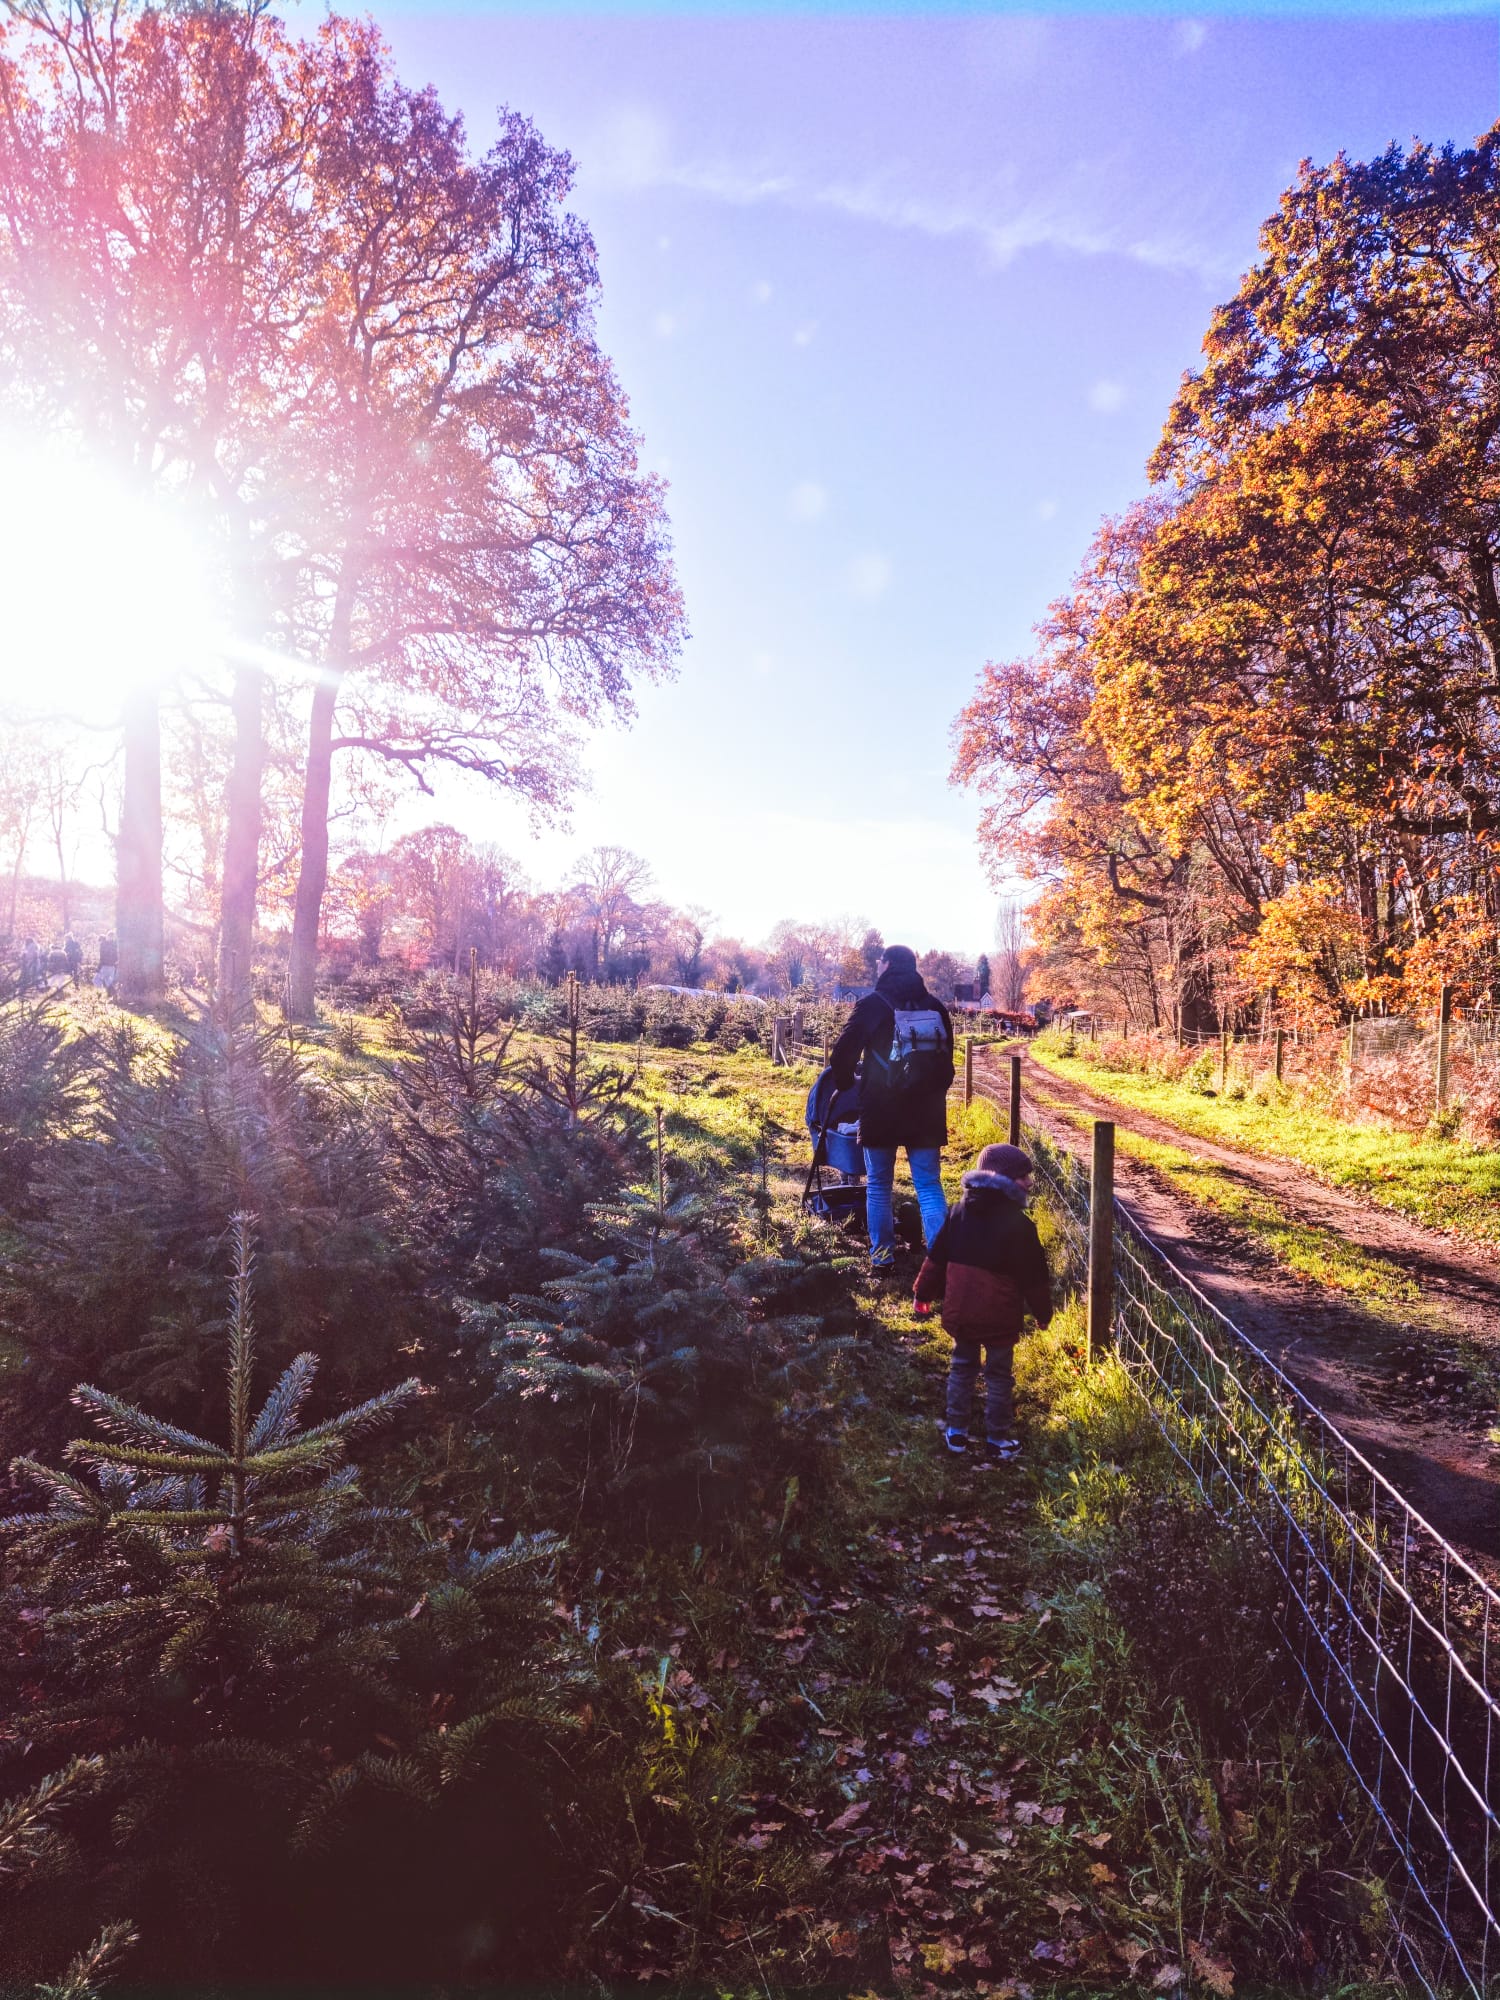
point(1167, 1978)
point(944, 1956)
point(846, 1819)
point(1063, 1904)
point(1216, 1973)
point(994, 1692)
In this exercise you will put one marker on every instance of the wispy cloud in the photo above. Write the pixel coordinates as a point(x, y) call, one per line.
point(998, 213)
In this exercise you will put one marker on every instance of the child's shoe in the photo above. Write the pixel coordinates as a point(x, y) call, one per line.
point(1000, 1451)
point(957, 1442)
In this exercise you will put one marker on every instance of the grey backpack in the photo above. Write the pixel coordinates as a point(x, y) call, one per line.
point(920, 1047)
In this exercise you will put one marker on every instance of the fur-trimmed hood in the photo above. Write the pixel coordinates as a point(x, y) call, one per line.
point(978, 1182)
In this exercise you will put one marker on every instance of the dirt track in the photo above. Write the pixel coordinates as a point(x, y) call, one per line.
point(1416, 1397)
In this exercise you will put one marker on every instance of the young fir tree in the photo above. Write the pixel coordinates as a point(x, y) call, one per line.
point(117, 1271)
point(295, 1692)
point(497, 1155)
point(40, 1094)
point(670, 1373)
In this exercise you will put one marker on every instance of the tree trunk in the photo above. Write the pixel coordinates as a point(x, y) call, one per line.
point(15, 885)
point(62, 869)
point(139, 923)
point(312, 878)
point(242, 836)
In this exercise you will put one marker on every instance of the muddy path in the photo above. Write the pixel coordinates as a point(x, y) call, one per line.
point(1415, 1393)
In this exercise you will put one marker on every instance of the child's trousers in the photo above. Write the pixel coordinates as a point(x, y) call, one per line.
point(999, 1386)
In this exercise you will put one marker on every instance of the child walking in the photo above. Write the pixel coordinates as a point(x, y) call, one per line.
point(987, 1267)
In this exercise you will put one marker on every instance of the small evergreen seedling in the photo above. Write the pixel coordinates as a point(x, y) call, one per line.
point(238, 1571)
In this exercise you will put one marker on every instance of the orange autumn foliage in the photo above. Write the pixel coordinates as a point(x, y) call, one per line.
point(1269, 741)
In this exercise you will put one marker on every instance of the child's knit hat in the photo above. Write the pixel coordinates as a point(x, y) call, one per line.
point(1007, 1160)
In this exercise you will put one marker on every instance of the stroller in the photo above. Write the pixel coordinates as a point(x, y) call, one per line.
point(833, 1125)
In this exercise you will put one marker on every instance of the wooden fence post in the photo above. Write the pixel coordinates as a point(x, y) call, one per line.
point(1280, 1051)
point(1101, 1240)
point(1223, 1060)
point(1015, 1100)
point(1444, 1023)
point(1349, 1056)
point(968, 1070)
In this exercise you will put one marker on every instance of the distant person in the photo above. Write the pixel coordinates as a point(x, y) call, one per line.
point(109, 963)
point(31, 965)
point(988, 1268)
point(905, 1038)
point(73, 953)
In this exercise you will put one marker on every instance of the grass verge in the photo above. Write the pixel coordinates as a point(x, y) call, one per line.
point(1444, 1183)
point(957, 1729)
point(1300, 1247)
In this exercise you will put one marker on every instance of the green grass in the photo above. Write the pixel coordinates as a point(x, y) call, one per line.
point(1129, 1801)
point(1444, 1183)
point(1124, 1803)
point(1300, 1247)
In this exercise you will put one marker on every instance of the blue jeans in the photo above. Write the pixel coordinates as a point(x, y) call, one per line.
point(926, 1163)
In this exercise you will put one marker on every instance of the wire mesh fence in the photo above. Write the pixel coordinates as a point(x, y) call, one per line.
point(1393, 1632)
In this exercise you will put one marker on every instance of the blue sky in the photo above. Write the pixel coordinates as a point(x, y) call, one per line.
point(899, 304)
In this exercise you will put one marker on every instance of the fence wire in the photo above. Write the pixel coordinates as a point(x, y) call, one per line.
point(1391, 1629)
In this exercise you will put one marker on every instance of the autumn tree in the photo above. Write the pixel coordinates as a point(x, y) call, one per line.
point(686, 934)
point(477, 562)
point(1272, 704)
point(871, 949)
point(940, 971)
point(262, 276)
point(23, 777)
point(609, 882)
point(1057, 809)
point(1338, 460)
point(156, 244)
point(1010, 955)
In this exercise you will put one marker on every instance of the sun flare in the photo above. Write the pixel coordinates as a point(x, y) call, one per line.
point(104, 590)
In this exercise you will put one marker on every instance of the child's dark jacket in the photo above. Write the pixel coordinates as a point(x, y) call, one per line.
point(987, 1264)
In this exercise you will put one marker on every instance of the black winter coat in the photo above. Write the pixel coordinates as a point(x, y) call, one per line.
point(916, 1117)
point(987, 1265)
